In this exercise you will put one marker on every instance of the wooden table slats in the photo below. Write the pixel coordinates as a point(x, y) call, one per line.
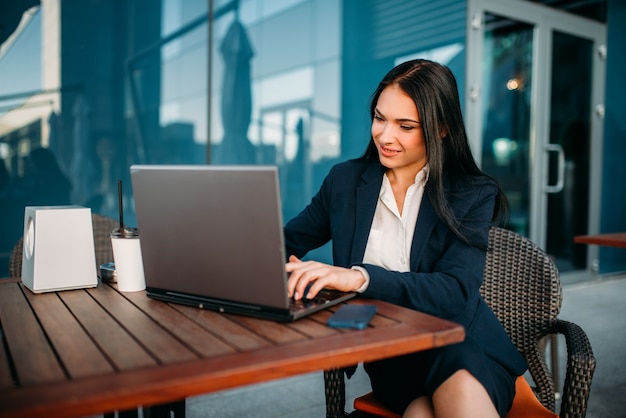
point(223, 327)
point(198, 339)
point(65, 334)
point(121, 348)
point(163, 346)
point(19, 321)
point(6, 379)
point(275, 332)
point(83, 352)
point(313, 328)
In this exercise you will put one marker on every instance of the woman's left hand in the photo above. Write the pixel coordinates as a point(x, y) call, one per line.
point(319, 276)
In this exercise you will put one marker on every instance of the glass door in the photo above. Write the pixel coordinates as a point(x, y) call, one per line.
point(534, 115)
point(570, 138)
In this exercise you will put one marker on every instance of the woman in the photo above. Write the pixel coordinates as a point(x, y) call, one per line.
point(409, 223)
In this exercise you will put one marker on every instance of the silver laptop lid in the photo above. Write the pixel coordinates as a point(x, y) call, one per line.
point(212, 231)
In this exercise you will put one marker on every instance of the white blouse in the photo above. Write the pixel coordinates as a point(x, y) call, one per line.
point(389, 242)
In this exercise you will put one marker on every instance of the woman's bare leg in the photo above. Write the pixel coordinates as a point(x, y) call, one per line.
point(462, 395)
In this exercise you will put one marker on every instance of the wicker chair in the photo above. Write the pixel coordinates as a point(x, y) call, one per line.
point(102, 226)
point(523, 288)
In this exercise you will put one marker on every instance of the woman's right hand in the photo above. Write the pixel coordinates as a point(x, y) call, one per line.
point(319, 276)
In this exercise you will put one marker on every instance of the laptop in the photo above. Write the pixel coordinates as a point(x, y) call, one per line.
point(212, 237)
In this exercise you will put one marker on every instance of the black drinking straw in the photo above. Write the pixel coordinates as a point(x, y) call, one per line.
point(119, 196)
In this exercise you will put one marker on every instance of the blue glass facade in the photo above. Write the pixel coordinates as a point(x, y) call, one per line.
point(105, 84)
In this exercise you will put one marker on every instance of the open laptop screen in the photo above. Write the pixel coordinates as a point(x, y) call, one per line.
point(213, 231)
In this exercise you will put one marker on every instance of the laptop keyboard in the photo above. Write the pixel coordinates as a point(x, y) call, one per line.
point(323, 297)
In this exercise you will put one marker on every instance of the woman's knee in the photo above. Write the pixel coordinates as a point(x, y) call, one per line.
point(421, 407)
point(460, 384)
point(463, 394)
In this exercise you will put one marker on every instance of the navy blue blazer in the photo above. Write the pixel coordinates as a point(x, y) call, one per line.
point(445, 272)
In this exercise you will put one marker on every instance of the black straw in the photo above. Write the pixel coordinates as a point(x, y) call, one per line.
point(121, 208)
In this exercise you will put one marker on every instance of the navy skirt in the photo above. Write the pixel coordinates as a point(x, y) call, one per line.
point(398, 381)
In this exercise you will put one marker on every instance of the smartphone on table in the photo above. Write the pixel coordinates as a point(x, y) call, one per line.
point(352, 316)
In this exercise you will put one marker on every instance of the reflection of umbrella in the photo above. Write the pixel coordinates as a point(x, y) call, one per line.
point(236, 96)
point(53, 127)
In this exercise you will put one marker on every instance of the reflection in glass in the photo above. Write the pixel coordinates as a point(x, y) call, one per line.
point(506, 112)
point(168, 89)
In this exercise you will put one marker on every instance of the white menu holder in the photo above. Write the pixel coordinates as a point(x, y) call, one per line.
point(59, 251)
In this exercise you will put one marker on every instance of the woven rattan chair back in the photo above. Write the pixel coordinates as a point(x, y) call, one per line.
point(522, 286)
point(102, 226)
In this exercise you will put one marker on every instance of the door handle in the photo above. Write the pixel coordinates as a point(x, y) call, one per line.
point(555, 188)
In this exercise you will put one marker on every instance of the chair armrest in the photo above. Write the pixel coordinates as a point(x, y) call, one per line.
point(580, 366)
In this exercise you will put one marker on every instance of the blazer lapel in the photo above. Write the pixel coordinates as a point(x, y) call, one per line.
point(366, 200)
point(426, 220)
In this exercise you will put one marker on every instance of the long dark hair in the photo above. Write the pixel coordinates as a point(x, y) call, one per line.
point(434, 91)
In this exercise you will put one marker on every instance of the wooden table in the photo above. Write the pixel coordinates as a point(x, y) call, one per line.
point(617, 239)
point(83, 352)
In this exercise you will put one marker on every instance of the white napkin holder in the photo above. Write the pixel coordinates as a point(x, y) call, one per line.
point(59, 251)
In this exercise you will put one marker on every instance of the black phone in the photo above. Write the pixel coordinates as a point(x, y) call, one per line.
point(352, 316)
